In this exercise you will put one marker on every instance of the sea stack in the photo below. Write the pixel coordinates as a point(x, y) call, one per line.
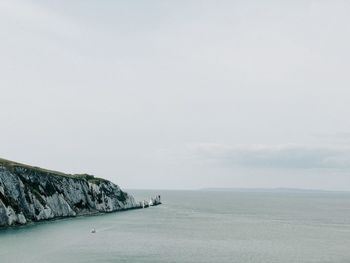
point(29, 194)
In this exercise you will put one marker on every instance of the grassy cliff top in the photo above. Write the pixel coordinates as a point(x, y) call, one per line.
point(11, 165)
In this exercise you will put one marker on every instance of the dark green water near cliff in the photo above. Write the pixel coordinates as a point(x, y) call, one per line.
point(196, 226)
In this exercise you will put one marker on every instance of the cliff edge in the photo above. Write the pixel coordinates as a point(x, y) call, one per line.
point(30, 194)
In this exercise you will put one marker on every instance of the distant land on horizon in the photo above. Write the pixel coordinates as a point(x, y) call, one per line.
point(278, 189)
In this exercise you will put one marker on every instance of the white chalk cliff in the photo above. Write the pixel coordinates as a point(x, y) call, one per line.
point(29, 194)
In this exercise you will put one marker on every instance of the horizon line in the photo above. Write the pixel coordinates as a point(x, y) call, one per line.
point(285, 189)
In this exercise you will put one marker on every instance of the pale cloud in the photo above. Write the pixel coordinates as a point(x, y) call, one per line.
point(99, 87)
point(283, 156)
point(35, 18)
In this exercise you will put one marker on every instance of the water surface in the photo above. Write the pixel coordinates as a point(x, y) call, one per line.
point(196, 226)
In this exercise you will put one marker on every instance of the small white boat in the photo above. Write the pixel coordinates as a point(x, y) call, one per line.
point(93, 230)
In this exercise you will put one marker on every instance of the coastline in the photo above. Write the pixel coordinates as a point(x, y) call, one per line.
point(92, 214)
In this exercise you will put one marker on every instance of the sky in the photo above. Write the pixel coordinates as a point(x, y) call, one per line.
point(179, 94)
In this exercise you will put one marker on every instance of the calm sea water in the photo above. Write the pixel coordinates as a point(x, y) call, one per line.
point(196, 226)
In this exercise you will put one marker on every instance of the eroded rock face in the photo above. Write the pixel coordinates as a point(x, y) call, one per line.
point(32, 195)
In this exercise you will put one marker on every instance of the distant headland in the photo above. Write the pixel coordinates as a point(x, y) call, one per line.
point(274, 190)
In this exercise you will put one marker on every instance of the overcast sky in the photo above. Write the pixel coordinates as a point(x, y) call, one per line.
point(179, 94)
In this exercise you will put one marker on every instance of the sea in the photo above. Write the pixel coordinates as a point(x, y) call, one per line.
point(196, 226)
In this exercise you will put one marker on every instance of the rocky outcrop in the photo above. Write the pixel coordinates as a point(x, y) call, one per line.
point(30, 194)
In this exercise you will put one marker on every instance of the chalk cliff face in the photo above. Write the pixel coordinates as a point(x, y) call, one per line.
point(33, 194)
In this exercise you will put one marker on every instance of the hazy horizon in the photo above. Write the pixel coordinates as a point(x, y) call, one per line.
point(179, 94)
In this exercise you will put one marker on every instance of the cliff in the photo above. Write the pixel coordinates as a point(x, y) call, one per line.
point(30, 194)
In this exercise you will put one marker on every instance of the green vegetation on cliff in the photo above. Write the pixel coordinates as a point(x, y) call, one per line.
point(11, 165)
